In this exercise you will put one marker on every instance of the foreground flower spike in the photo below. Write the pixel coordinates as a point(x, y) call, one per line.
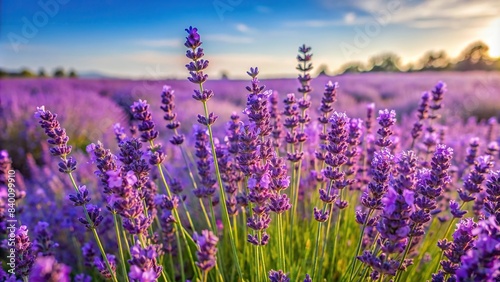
point(101, 266)
point(143, 265)
point(24, 252)
point(207, 249)
point(278, 276)
point(58, 139)
point(208, 182)
point(481, 263)
point(492, 204)
point(47, 269)
point(198, 77)
point(462, 242)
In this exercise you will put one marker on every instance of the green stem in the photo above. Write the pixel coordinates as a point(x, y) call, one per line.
point(195, 186)
point(225, 215)
point(120, 247)
point(181, 228)
point(316, 250)
point(281, 243)
point(93, 229)
point(360, 240)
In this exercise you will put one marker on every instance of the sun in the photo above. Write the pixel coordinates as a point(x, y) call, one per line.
point(491, 36)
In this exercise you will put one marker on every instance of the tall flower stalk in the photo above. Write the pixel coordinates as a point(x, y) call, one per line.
point(60, 148)
point(195, 68)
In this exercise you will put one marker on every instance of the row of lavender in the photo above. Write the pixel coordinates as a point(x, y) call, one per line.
point(290, 193)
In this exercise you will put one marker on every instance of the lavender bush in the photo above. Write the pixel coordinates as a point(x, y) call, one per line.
point(293, 187)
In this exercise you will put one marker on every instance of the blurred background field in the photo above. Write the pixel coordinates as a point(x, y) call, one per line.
point(93, 106)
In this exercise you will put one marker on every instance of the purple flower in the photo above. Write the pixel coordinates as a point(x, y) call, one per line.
point(100, 265)
point(140, 112)
point(207, 249)
point(143, 264)
point(43, 243)
point(455, 210)
point(386, 119)
point(168, 106)
point(381, 171)
point(482, 262)
point(193, 38)
point(95, 217)
point(24, 251)
point(279, 203)
point(47, 269)
point(119, 133)
point(492, 202)
point(278, 276)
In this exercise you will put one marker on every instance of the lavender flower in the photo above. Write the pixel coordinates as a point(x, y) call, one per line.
point(47, 269)
point(381, 170)
point(57, 138)
point(462, 242)
point(94, 216)
point(119, 133)
point(207, 249)
point(100, 265)
point(492, 202)
point(386, 120)
point(208, 181)
point(143, 265)
point(422, 114)
point(482, 263)
point(394, 224)
point(276, 119)
point(167, 99)
point(474, 180)
point(257, 105)
point(24, 251)
point(278, 276)
point(43, 243)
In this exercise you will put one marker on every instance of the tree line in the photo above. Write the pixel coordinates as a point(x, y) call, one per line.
point(25, 72)
point(473, 57)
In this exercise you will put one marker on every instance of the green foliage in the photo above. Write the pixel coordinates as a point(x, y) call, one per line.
point(59, 72)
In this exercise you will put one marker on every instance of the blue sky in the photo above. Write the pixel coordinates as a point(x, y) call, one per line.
point(144, 39)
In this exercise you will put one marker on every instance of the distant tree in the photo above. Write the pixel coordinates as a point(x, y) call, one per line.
point(26, 73)
point(322, 70)
point(224, 75)
point(352, 67)
point(3, 73)
point(385, 62)
point(72, 73)
point(475, 57)
point(433, 61)
point(41, 73)
point(59, 72)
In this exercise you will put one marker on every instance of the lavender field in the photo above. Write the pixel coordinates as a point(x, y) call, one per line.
point(358, 177)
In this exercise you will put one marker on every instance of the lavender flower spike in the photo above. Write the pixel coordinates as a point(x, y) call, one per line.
point(207, 249)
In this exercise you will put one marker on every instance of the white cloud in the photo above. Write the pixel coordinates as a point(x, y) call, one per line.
point(431, 13)
point(227, 38)
point(350, 18)
point(423, 14)
point(243, 28)
point(158, 43)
